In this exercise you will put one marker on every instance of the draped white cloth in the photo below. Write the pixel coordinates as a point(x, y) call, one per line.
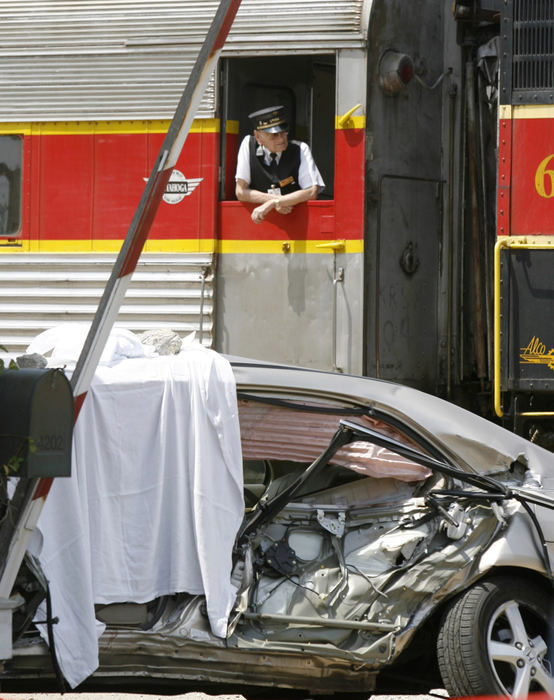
point(155, 498)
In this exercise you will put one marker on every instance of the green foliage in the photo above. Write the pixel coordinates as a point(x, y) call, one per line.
point(13, 464)
point(12, 364)
point(11, 467)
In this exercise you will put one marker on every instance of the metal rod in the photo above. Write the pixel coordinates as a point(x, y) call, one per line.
point(452, 91)
point(338, 278)
point(477, 273)
point(155, 187)
point(203, 275)
point(334, 329)
point(485, 224)
point(321, 622)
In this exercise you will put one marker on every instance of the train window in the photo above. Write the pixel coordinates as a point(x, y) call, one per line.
point(305, 85)
point(11, 154)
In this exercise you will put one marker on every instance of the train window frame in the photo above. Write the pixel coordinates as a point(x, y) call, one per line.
point(301, 94)
point(11, 185)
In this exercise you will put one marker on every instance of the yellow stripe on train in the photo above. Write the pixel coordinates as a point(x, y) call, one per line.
point(526, 112)
point(136, 126)
point(208, 245)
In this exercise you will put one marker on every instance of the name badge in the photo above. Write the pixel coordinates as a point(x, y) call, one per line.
point(275, 191)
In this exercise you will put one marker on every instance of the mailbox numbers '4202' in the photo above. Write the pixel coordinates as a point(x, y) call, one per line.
point(544, 176)
point(50, 442)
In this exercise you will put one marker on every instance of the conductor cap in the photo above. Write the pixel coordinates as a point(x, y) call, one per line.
point(271, 120)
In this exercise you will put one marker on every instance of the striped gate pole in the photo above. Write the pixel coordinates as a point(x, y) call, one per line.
point(30, 495)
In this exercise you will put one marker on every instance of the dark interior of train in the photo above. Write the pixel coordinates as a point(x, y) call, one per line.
point(305, 85)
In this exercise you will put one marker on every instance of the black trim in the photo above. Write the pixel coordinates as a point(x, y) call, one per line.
point(506, 53)
point(286, 403)
point(50, 622)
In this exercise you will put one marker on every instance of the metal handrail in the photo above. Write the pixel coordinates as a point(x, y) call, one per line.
point(337, 246)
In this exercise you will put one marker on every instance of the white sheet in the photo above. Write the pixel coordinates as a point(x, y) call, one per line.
point(155, 499)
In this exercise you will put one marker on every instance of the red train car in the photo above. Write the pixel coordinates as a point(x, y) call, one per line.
point(426, 260)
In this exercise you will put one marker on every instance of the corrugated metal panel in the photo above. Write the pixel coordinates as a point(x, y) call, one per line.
point(41, 290)
point(130, 59)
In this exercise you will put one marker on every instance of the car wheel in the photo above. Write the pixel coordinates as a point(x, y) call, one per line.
point(496, 638)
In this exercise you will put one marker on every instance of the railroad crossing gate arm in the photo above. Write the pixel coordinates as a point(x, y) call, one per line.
point(27, 502)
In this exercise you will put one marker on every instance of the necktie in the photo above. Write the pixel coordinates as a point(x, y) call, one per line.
point(273, 163)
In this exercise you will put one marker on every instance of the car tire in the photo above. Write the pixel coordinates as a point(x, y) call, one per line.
point(497, 639)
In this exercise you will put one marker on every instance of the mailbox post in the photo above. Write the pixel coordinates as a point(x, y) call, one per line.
point(36, 427)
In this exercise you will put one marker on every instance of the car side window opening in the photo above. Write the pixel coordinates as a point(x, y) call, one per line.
point(305, 85)
point(11, 154)
point(280, 441)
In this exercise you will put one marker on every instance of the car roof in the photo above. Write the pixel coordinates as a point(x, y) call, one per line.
point(471, 441)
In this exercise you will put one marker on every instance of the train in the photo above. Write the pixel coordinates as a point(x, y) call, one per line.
point(428, 259)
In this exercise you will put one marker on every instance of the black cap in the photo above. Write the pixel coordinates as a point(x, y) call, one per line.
point(271, 119)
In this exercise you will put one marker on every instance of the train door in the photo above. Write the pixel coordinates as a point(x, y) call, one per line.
point(407, 264)
point(286, 289)
point(407, 257)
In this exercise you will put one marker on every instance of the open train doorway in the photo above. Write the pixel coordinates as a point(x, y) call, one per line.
point(305, 85)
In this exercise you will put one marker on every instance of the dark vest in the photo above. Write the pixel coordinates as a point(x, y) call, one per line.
point(261, 178)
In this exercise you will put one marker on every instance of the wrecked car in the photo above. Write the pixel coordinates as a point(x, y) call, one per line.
point(386, 536)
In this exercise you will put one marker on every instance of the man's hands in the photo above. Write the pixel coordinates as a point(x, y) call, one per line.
point(266, 202)
point(260, 212)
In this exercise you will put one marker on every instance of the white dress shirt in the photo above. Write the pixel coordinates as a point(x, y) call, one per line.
point(308, 174)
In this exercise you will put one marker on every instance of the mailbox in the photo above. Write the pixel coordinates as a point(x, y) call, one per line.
point(36, 421)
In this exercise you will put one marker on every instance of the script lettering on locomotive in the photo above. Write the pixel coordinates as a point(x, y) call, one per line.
point(535, 353)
